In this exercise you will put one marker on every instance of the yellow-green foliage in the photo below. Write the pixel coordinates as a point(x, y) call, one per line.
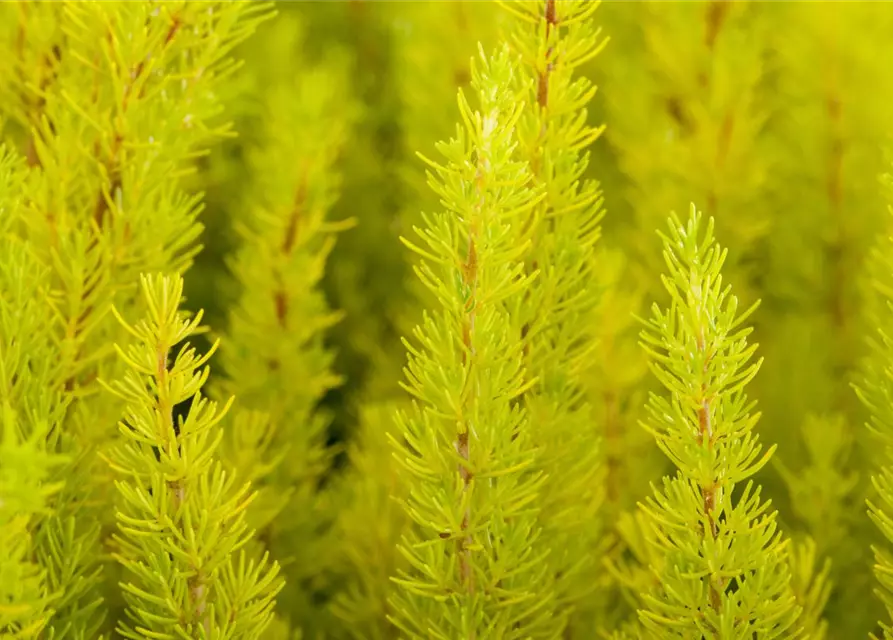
point(445, 439)
point(614, 383)
point(369, 524)
point(124, 101)
point(773, 134)
point(31, 416)
point(724, 572)
point(553, 40)
point(830, 209)
point(277, 322)
point(685, 126)
point(469, 454)
point(181, 514)
point(875, 391)
point(431, 43)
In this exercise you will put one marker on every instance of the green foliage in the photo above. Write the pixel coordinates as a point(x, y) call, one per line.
point(724, 573)
point(432, 42)
point(685, 126)
point(614, 383)
point(830, 210)
point(559, 336)
point(277, 323)
point(181, 515)
point(125, 99)
point(369, 526)
point(365, 277)
point(515, 495)
point(474, 564)
point(30, 417)
point(776, 134)
point(811, 588)
point(875, 391)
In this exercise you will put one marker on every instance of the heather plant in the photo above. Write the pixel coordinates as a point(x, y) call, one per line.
point(723, 569)
point(470, 458)
point(326, 320)
point(277, 321)
point(181, 515)
point(431, 45)
point(31, 417)
point(124, 102)
point(552, 41)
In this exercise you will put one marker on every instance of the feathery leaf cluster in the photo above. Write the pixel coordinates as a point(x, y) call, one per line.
point(875, 390)
point(725, 573)
point(181, 515)
point(124, 98)
point(553, 40)
point(30, 418)
point(506, 489)
point(278, 322)
point(475, 569)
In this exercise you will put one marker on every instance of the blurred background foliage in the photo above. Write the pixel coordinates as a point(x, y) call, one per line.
point(771, 117)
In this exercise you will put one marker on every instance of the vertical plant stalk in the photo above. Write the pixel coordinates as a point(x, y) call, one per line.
point(431, 63)
point(705, 427)
point(841, 245)
point(165, 409)
point(475, 564)
point(181, 518)
point(554, 39)
point(470, 275)
point(700, 354)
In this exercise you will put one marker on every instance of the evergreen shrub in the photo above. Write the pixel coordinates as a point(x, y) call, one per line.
point(447, 320)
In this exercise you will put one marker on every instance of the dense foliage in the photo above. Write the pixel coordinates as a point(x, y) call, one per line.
point(522, 319)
